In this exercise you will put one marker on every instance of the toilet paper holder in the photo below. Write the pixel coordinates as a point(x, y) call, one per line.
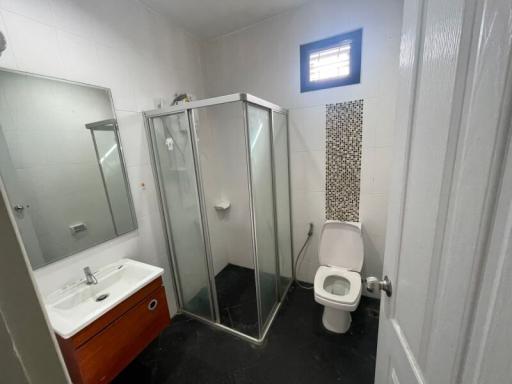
point(373, 285)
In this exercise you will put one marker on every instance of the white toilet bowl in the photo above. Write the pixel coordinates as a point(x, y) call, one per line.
point(337, 283)
point(339, 290)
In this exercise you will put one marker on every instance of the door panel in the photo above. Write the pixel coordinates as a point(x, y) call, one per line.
point(175, 164)
point(282, 192)
point(263, 201)
point(450, 149)
point(224, 174)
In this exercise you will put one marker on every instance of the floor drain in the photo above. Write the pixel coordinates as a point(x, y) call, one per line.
point(102, 297)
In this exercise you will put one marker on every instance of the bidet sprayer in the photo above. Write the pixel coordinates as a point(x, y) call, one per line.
point(310, 231)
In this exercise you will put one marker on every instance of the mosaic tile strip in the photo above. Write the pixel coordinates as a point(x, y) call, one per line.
point(344, 136)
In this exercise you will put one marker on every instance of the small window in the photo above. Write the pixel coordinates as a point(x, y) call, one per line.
point(331, 62)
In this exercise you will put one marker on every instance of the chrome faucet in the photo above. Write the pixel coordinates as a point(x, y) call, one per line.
point(89, 277)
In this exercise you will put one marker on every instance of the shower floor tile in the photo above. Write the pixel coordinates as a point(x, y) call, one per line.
point(297, 350)
point(236, 294)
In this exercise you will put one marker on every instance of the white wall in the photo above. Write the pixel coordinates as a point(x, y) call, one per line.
point(264, 60)
point(224, 170)
point(122, 45)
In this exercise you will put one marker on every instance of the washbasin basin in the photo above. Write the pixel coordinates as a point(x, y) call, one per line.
point(73, 308)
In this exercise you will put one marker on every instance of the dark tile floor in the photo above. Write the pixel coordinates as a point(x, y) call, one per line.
point(297, 350)
point(236, 295)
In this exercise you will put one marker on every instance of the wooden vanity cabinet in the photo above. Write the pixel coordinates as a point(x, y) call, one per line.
point(99, 352)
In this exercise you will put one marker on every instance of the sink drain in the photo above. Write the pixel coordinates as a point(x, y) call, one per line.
point(102, 297)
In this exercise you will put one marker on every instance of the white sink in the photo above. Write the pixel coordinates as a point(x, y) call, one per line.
point(73, 308)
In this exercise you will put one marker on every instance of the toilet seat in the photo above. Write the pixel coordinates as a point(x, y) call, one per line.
point(348, 301)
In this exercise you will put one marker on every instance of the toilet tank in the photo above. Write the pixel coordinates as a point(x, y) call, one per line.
point(341, 245)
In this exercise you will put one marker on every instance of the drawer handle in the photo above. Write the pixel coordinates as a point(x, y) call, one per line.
point(152, 304)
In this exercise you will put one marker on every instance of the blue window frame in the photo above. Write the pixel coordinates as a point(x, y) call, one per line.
point(331, 62)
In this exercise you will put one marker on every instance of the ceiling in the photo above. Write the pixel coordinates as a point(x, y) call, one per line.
point(213, 18)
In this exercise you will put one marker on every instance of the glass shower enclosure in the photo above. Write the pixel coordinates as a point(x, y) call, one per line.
point(222, 172)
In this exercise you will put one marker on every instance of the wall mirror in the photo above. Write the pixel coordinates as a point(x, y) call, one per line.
point(62, 165)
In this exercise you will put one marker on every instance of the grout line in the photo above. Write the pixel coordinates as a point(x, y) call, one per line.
point(33, 19)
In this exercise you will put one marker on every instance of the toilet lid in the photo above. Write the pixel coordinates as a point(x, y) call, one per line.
point(341, 245)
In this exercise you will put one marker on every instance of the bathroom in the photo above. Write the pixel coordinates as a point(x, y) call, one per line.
point(254, 192)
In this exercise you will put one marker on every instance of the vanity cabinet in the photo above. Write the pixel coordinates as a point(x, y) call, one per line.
point(99, 352)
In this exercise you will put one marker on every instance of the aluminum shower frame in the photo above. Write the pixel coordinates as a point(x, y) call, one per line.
point(188, 108)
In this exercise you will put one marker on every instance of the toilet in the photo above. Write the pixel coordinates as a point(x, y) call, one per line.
point(337, 283)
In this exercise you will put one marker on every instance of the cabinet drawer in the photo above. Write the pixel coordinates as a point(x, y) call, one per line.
point(105, 355)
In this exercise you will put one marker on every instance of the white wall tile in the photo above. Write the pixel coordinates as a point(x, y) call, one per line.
point(142, 186)
point(40, 10)
point(373, 213)
point(117, 72)
point(370, 122)
point(74, 16)
point(308, 207)
point(300, 210)
point(307, 128)
point(308, 170)
point(368, 169)
point(307, 271)
point(133, 137)
point(152, 240)
point(34, 45)
point(385, 127)
point(384, 157)
point(79, 58)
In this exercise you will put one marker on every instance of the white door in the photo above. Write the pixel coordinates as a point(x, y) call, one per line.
point(450, 198)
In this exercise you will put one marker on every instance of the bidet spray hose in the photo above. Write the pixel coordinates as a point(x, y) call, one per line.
point(298, 260)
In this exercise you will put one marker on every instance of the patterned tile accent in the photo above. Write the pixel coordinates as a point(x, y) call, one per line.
point(343, 160)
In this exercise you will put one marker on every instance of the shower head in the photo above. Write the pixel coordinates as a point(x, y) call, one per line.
point(3, 43)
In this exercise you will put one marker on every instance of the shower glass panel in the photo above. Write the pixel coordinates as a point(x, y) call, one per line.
point(176, 169)
point(282, 188)
point(220, 166)
point(224, 171)
point(263, 205)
